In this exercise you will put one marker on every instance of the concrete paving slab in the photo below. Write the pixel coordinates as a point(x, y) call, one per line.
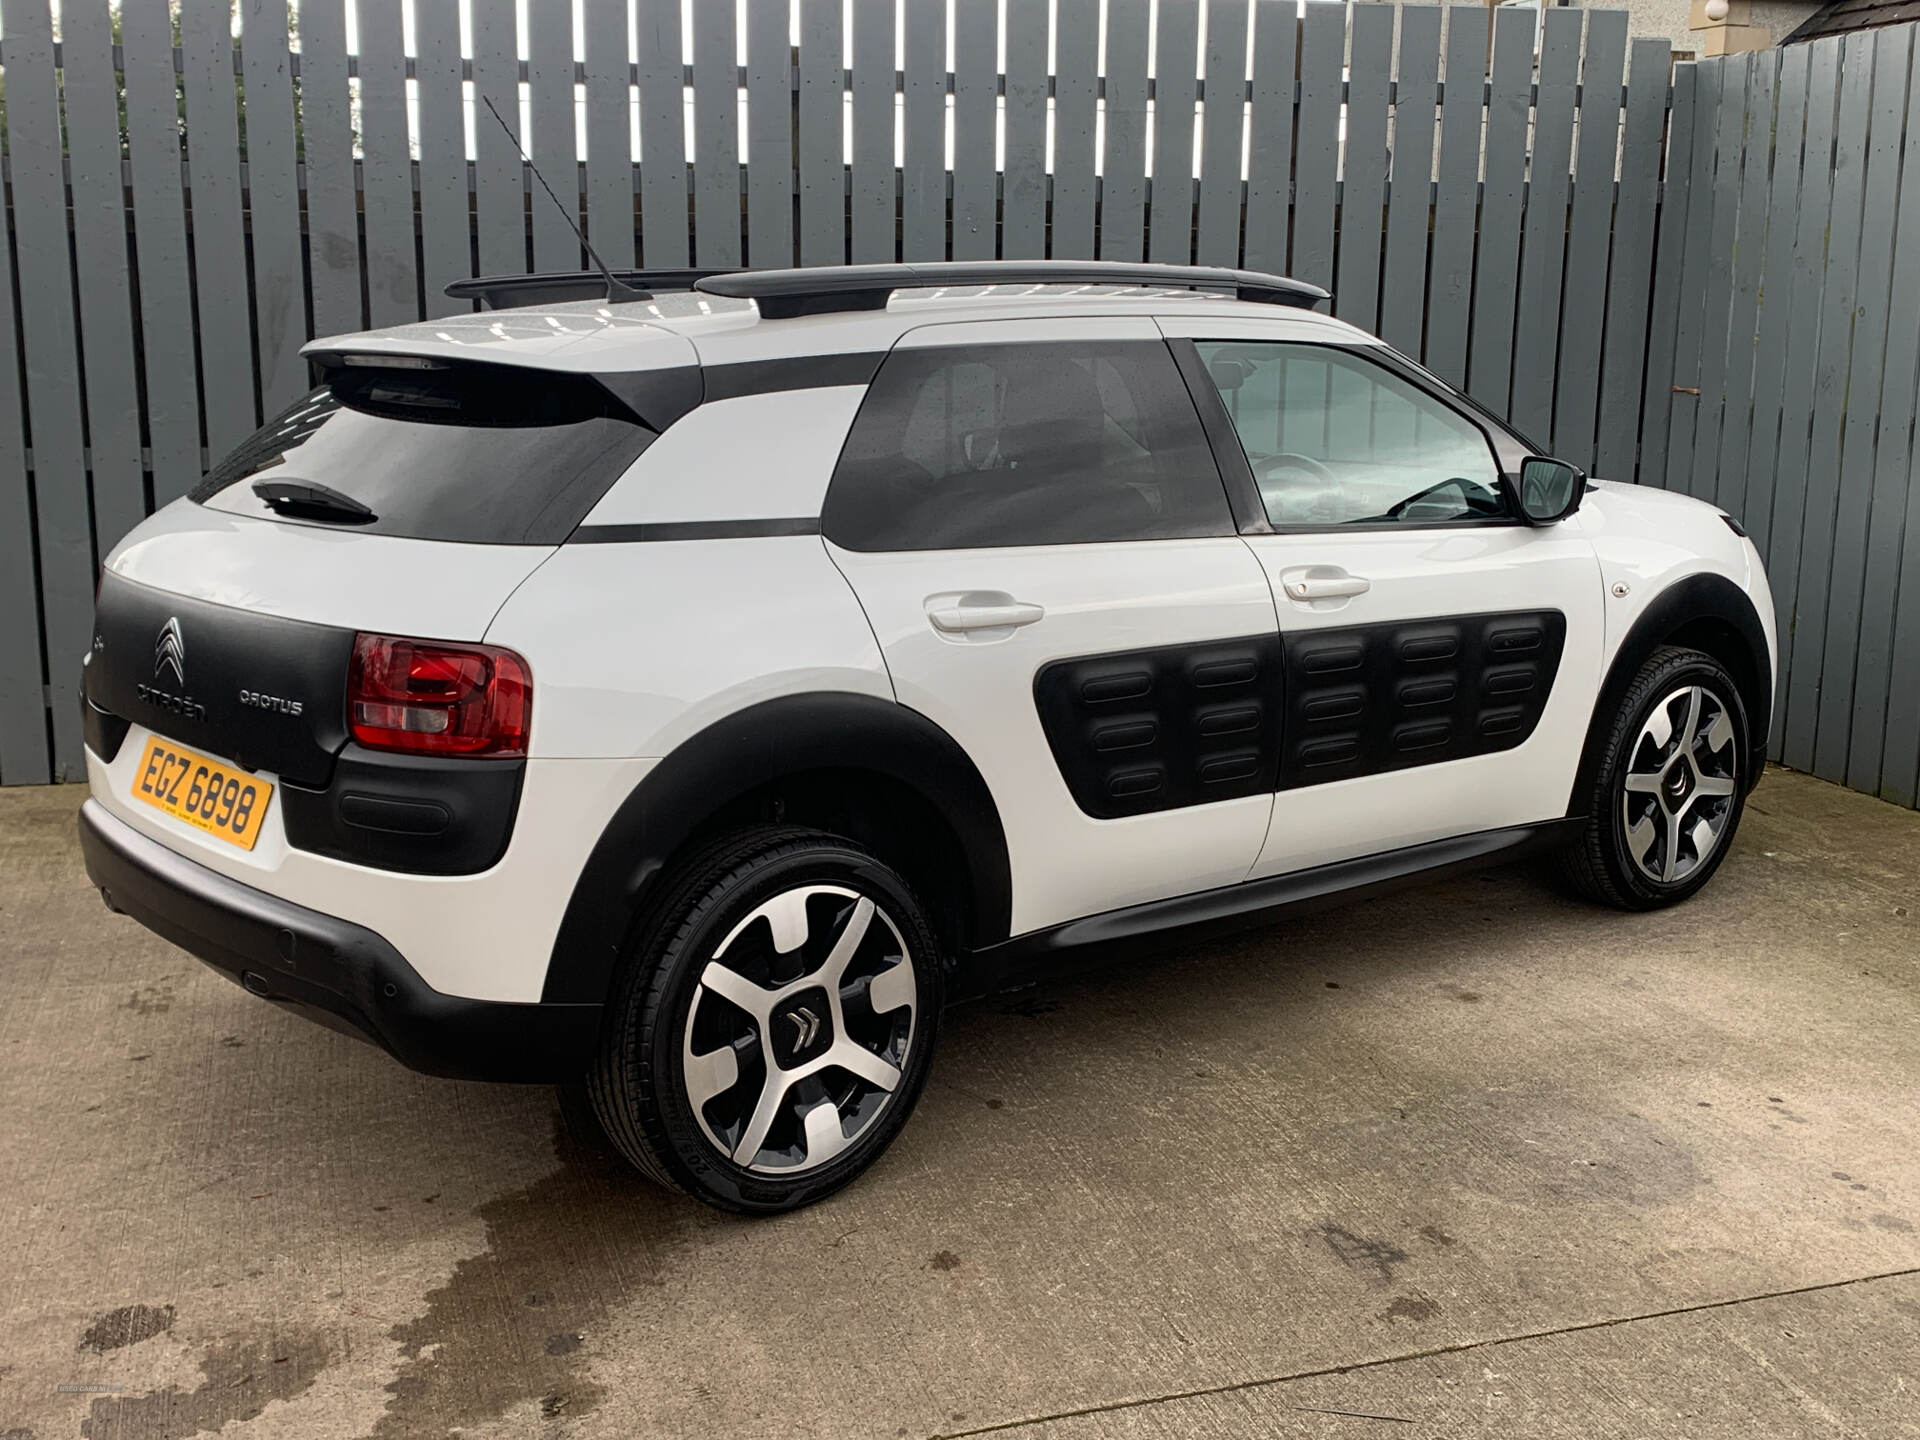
point(1418, 1127)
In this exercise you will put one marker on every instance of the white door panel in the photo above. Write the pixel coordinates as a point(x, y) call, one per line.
point(1432, 574)
point(963, 643)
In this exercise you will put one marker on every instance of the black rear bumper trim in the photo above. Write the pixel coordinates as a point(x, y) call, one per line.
point(340, 974)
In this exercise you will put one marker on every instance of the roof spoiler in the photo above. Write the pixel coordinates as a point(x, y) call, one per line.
point(500, 292)
point(822, 289)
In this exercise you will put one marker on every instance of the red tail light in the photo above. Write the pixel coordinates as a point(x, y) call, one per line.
point(430, 699)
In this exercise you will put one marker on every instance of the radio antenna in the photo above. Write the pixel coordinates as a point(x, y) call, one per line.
point(616, 291)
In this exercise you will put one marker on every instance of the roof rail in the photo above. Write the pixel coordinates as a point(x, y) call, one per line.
point(819, 290)
point(497, 292)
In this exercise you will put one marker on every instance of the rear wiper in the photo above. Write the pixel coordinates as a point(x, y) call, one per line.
point(311, 500)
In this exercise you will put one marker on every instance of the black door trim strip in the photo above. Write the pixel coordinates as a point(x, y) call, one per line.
point(790, 372)
point(1095, 939)
point(695, 530)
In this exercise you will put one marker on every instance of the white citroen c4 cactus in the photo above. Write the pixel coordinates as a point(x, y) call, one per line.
point(683, 696)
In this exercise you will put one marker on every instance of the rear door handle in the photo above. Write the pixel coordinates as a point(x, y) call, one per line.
point(956, 619)
point(1325, 582)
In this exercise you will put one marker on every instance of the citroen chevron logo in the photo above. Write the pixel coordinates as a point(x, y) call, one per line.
point(170, 651)
point(806, 1025)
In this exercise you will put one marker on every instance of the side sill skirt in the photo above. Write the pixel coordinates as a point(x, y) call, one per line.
point(1097, 939)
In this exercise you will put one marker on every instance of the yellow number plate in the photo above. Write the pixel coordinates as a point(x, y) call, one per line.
point(219, 799)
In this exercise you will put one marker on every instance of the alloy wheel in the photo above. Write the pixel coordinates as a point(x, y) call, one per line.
point(799, 1029)
point(1681, 779)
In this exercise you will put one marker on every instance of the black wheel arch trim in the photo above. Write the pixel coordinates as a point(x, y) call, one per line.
point(741, 753)
point(1703, 596)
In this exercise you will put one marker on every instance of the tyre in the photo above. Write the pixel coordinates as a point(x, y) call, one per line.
point(1668, 791)
point(773, 1023)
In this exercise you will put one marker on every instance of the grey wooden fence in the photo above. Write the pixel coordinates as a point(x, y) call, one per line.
point(1503, 194)
point(1782, 379)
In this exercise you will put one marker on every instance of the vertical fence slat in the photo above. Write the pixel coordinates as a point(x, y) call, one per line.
point(1323, 44)
point(1589, 239)
point(1748, 261)
point(160, 238)
point(1076, 95)
point(1123, 181)
point(550, 141)
point(105, 290)
point(1450, 291)
point(1833, 737)
point(1497, 263)
point(1356, 289)
point(1802, 349)
point(1023, 185)
point(499, 174)
point(770, 152)
point(822, 116)
point(446, 245)
point(24, 759)
point(1536, 344)
point(976, 78)
point(1657, 407)
point(609, 103)
point(663, 136)
point(1175, 66)
point(219, 243)
point(1276, 41)
point(1217, 237)
point(875, 232)
point(386, 167)
point(273, 206)
point(23, 707)
point(923, 178)
point(1844, 751)
point(1829, 400)
point(1701, 447)
point(1776, 283)
point(1696, 259)
point(1885, 748)
point(50, 342)
point(1623, 356)
point(716, 136)
point(1900, 773)
point(326, 130)
point(1403, 300)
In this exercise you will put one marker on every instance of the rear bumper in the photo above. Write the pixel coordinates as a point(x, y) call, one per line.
point(337, 973)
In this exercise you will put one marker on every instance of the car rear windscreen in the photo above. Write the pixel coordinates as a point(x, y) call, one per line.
point(486, 454)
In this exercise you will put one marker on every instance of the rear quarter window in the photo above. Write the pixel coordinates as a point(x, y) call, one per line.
point(483, 454)
point(1044, 444)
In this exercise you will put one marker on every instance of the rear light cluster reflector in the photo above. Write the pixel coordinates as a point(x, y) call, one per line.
point(425, 698)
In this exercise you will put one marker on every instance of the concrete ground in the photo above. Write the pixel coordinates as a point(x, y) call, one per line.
point(1473, 1159)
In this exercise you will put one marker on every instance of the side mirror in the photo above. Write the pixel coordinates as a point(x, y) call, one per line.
point(1550, 490)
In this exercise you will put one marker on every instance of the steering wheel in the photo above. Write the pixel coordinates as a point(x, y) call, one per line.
point(1297, 489)
point(1268, 468)
point(1453, 482)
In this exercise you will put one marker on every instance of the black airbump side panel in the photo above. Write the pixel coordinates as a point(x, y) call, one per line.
point(1158, 729)
point(1385, 697)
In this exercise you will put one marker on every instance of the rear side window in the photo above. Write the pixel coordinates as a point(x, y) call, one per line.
point(1047, 444)
point(486, 454)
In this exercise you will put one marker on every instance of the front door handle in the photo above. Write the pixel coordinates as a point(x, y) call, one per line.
point(1324, 582)
point(957, 619)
